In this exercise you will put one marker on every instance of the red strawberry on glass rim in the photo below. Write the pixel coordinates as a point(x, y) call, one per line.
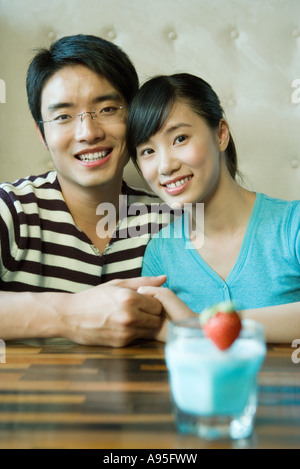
point(222, 324)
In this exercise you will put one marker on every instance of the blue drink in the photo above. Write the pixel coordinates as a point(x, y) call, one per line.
point(214, 391)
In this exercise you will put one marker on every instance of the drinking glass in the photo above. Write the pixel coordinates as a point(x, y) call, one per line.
point(214, 392)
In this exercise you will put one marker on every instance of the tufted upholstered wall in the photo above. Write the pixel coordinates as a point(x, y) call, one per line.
point(249, 50)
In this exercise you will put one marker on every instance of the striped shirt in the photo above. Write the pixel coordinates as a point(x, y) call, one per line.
point(42, 249)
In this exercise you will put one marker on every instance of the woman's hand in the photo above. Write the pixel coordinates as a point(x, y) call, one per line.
point(174, 309)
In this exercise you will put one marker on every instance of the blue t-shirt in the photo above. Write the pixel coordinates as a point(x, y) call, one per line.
point(266, 273)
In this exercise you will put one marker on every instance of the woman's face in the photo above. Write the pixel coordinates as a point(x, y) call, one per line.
point(182, 162)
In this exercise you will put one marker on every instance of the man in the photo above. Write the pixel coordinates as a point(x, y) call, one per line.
point(71, 253)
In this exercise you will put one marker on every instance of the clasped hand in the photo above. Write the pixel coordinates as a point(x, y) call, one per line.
point(118, 312)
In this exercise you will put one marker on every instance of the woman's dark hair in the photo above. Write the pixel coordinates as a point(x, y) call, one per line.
point(152, 104)
point(101, 56)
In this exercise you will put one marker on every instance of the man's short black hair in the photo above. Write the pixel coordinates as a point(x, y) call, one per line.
point(101, 56)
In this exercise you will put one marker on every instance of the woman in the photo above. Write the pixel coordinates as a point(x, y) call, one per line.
point(250, 252)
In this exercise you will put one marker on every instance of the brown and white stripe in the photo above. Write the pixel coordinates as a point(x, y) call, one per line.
point(43, 250)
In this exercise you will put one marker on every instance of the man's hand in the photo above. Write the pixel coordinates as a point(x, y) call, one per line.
point(113, 314)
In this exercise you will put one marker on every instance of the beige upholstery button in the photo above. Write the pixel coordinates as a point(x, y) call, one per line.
point(50, 165)
point(234, 34)
point(51, 35)
point(295, 163)
point(111, 34)
point(231, 102)
point(172, 35)
point(296, 32)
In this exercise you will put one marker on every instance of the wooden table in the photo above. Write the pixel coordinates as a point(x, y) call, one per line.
point(55, 394)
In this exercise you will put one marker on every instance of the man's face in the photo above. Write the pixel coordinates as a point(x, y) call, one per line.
point(87, 153)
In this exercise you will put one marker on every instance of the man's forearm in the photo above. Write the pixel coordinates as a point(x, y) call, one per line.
point(111, 314)
point(30, 315)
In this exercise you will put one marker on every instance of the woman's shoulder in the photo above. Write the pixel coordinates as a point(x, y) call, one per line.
point(280, 212)
point(277, 204)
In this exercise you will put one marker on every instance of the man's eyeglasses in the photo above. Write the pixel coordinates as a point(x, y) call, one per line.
point(104, 115)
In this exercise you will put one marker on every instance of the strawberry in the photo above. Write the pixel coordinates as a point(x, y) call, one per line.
point(222, 324)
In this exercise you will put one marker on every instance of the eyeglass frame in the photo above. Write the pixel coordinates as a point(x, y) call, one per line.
point(81, 115)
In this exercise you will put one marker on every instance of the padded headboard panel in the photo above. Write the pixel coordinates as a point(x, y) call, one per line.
point(249, 50)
